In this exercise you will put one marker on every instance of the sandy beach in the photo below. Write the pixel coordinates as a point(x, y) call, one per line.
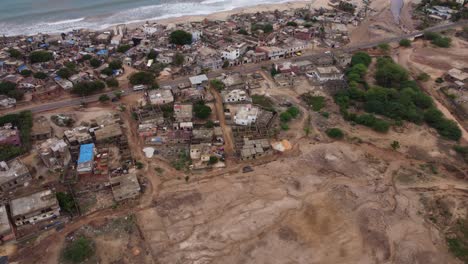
point(243, 10)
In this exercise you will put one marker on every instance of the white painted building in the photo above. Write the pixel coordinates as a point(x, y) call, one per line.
point(234, 96)
point(246, 115)
point(234, 52)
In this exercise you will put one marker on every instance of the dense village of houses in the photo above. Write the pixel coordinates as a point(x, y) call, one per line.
point(172, 121)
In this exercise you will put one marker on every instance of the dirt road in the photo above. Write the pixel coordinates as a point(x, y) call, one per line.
point(227, 132)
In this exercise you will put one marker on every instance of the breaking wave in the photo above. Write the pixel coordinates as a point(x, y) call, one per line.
point(132, 15)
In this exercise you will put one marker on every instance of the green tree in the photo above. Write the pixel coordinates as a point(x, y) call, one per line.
point(9, 89)
point(390, 74)
point(293, 111)
point(70, 65)
point(26, 73)
point(112, 82)
point(424, 77)
point(405, 43)
point(385, 47)
point(66, 202)
point(201, 110)
point(395, 145)
point(142, 78)
point(225, 64)
point(152, 55)
point(115, 64)
point(442, 42)
point(291, 24)
point(104, 98)
point(95, 63)
point(64, 73)
point(217, 84)
point(361, 58)
point(107, 71)
point(86, 57)
point(243, 32)
point(180, 37)
point(86, 88)
point(335, 133)
point(14, 53)
point(40, 75)
point(78, 250)
point(213, 160)
point(178, 59)
point(40, 56)
point(285, 117)
point(123, 48)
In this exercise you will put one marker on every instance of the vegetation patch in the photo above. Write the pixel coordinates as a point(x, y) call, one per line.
point(24, 122)
point(395, 97)
point(314, 102)
point(79, 250)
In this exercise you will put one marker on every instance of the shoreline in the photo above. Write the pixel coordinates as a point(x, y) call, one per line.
point(221, 15)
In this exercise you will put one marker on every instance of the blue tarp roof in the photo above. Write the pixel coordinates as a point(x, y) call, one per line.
point(22, 68)
point(102, 52)
point(86, 153)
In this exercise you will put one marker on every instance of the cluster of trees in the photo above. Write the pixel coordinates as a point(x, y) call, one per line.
point(40, 75)
point(66, 202)
point(143, 78)
point(396, 97)
point(112, 82)
point(113, 65)
point(95, 63)
point(9, 89)
point(24, 122)
point(40, 56)
point(86, 88)
point(14, 53)
point(123, 48)
point(180, 37)
point(266, 28)
point(201, 110)
point(437, 39)
point(288, 115)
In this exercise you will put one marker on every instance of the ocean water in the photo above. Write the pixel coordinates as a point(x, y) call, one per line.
point(27, 17)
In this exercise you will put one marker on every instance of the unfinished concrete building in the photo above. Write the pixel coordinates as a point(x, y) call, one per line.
point(76, 137)
point(13, 174)
point(34, 208)
point(41, 129)
point(125, 186)
point(6, 232)
point(108, 134)
point(255, 148)
point(54, 153)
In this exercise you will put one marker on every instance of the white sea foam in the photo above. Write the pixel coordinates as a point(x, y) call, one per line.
point(134, 15)
point(69, 21)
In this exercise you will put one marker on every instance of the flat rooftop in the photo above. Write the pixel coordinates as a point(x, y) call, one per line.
point(32, 203)
point(4, 222)
point(15, 168)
